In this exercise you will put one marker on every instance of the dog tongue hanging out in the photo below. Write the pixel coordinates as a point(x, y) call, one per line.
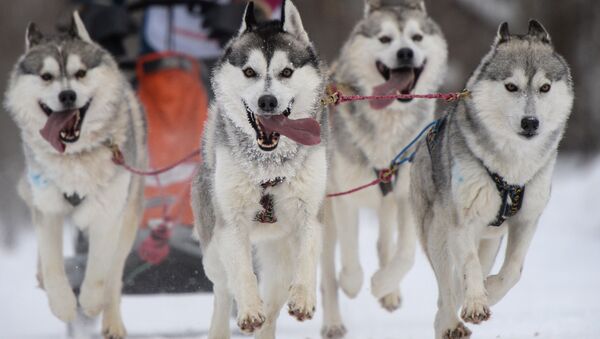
point(63, 127)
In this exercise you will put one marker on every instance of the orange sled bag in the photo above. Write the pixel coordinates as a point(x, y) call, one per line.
point(176, 104)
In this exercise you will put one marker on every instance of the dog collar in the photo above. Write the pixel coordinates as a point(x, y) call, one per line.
point(267, 215)
point(512, 198)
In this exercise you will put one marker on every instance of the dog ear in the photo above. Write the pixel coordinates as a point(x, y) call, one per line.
point(503, 34)
point(32, 36)
point(291, 21)
point(78, 28)
point(538, 31)
point(249, 21)
point(371, 5)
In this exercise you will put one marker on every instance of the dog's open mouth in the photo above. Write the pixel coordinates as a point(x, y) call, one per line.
point(269, 129)
point(402, 80)
point(63, 127)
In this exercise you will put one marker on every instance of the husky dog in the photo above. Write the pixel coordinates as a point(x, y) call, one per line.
point(70, 101)
point(485, 171)
point(264, 175)
point(396, 48)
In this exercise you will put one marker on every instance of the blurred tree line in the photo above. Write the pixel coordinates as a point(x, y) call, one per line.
point(469, 26)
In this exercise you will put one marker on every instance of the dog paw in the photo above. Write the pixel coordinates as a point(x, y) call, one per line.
point(91, 299)
point(112, 325)
point(381, 285)
point(475, 311)
point(351, 281)
point(114, 330)
point(333, 331)
point(250, 321)
point(460, 332)
point(302, 303)
point(391, 302)
point(62, 300)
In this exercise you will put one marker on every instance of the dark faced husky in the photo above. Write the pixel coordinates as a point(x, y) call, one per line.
point(70, 101)
point(395, 49)
point(264, 174)
point(485, 171)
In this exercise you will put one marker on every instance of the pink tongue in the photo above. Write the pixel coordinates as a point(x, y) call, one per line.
point(399, 81)
point(56, 122)
point(303, 131)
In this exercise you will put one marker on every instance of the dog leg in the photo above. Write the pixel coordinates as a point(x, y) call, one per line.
point(219, 325)
point(112, 322)
point(303, 290)
point(103, 234)
point(463, 248)
point(447, 324)
point(388, 219)
point(346, 220)
point(333, 328)
point(235, 252)
point(519, 239)
point(488, 250)
point(49, 237)
point(276, 271)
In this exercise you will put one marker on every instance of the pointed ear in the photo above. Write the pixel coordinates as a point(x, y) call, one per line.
point(503, 34)
point(371, 5)
point(291, 21)
point(538, 31)
point(32, 36)
point(422, 6)
point(78, 28)
point(249, 21)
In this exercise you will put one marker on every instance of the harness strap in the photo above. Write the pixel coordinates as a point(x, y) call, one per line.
point(512, 198)
point(267, 215)
point(512, 195)
point(391, 176)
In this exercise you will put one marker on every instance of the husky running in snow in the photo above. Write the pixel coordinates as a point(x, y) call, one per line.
point(485, 171)
point(262, 183)
point(70, 101)
point(396, 48)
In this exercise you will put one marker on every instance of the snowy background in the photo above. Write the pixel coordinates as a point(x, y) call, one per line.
point(558, 296)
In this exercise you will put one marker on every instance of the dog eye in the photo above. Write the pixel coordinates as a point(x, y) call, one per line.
point(80, 74)
point(249, 72)
point(417, 37)
point(545, 88)
point(287, 72)
point(47, 77)
point(385, 39)
point(511, 87)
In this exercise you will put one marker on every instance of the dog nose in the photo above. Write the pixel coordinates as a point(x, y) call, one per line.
point(267, 103)
point(530, 124)
point(67, 97)
point(405, 54)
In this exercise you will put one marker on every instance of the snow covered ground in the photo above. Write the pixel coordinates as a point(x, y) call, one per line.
point(558, 296)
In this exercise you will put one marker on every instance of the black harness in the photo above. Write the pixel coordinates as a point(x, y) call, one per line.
point(512, 195)
point(73, 199)
point(267, 215)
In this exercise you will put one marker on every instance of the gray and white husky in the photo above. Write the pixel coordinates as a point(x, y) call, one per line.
point(262, 182)
point(485, 171)
point(396, 48)
point(70, 101)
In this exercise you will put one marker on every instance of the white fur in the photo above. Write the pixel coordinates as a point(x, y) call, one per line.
point(394, 127)
point(112, 201)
